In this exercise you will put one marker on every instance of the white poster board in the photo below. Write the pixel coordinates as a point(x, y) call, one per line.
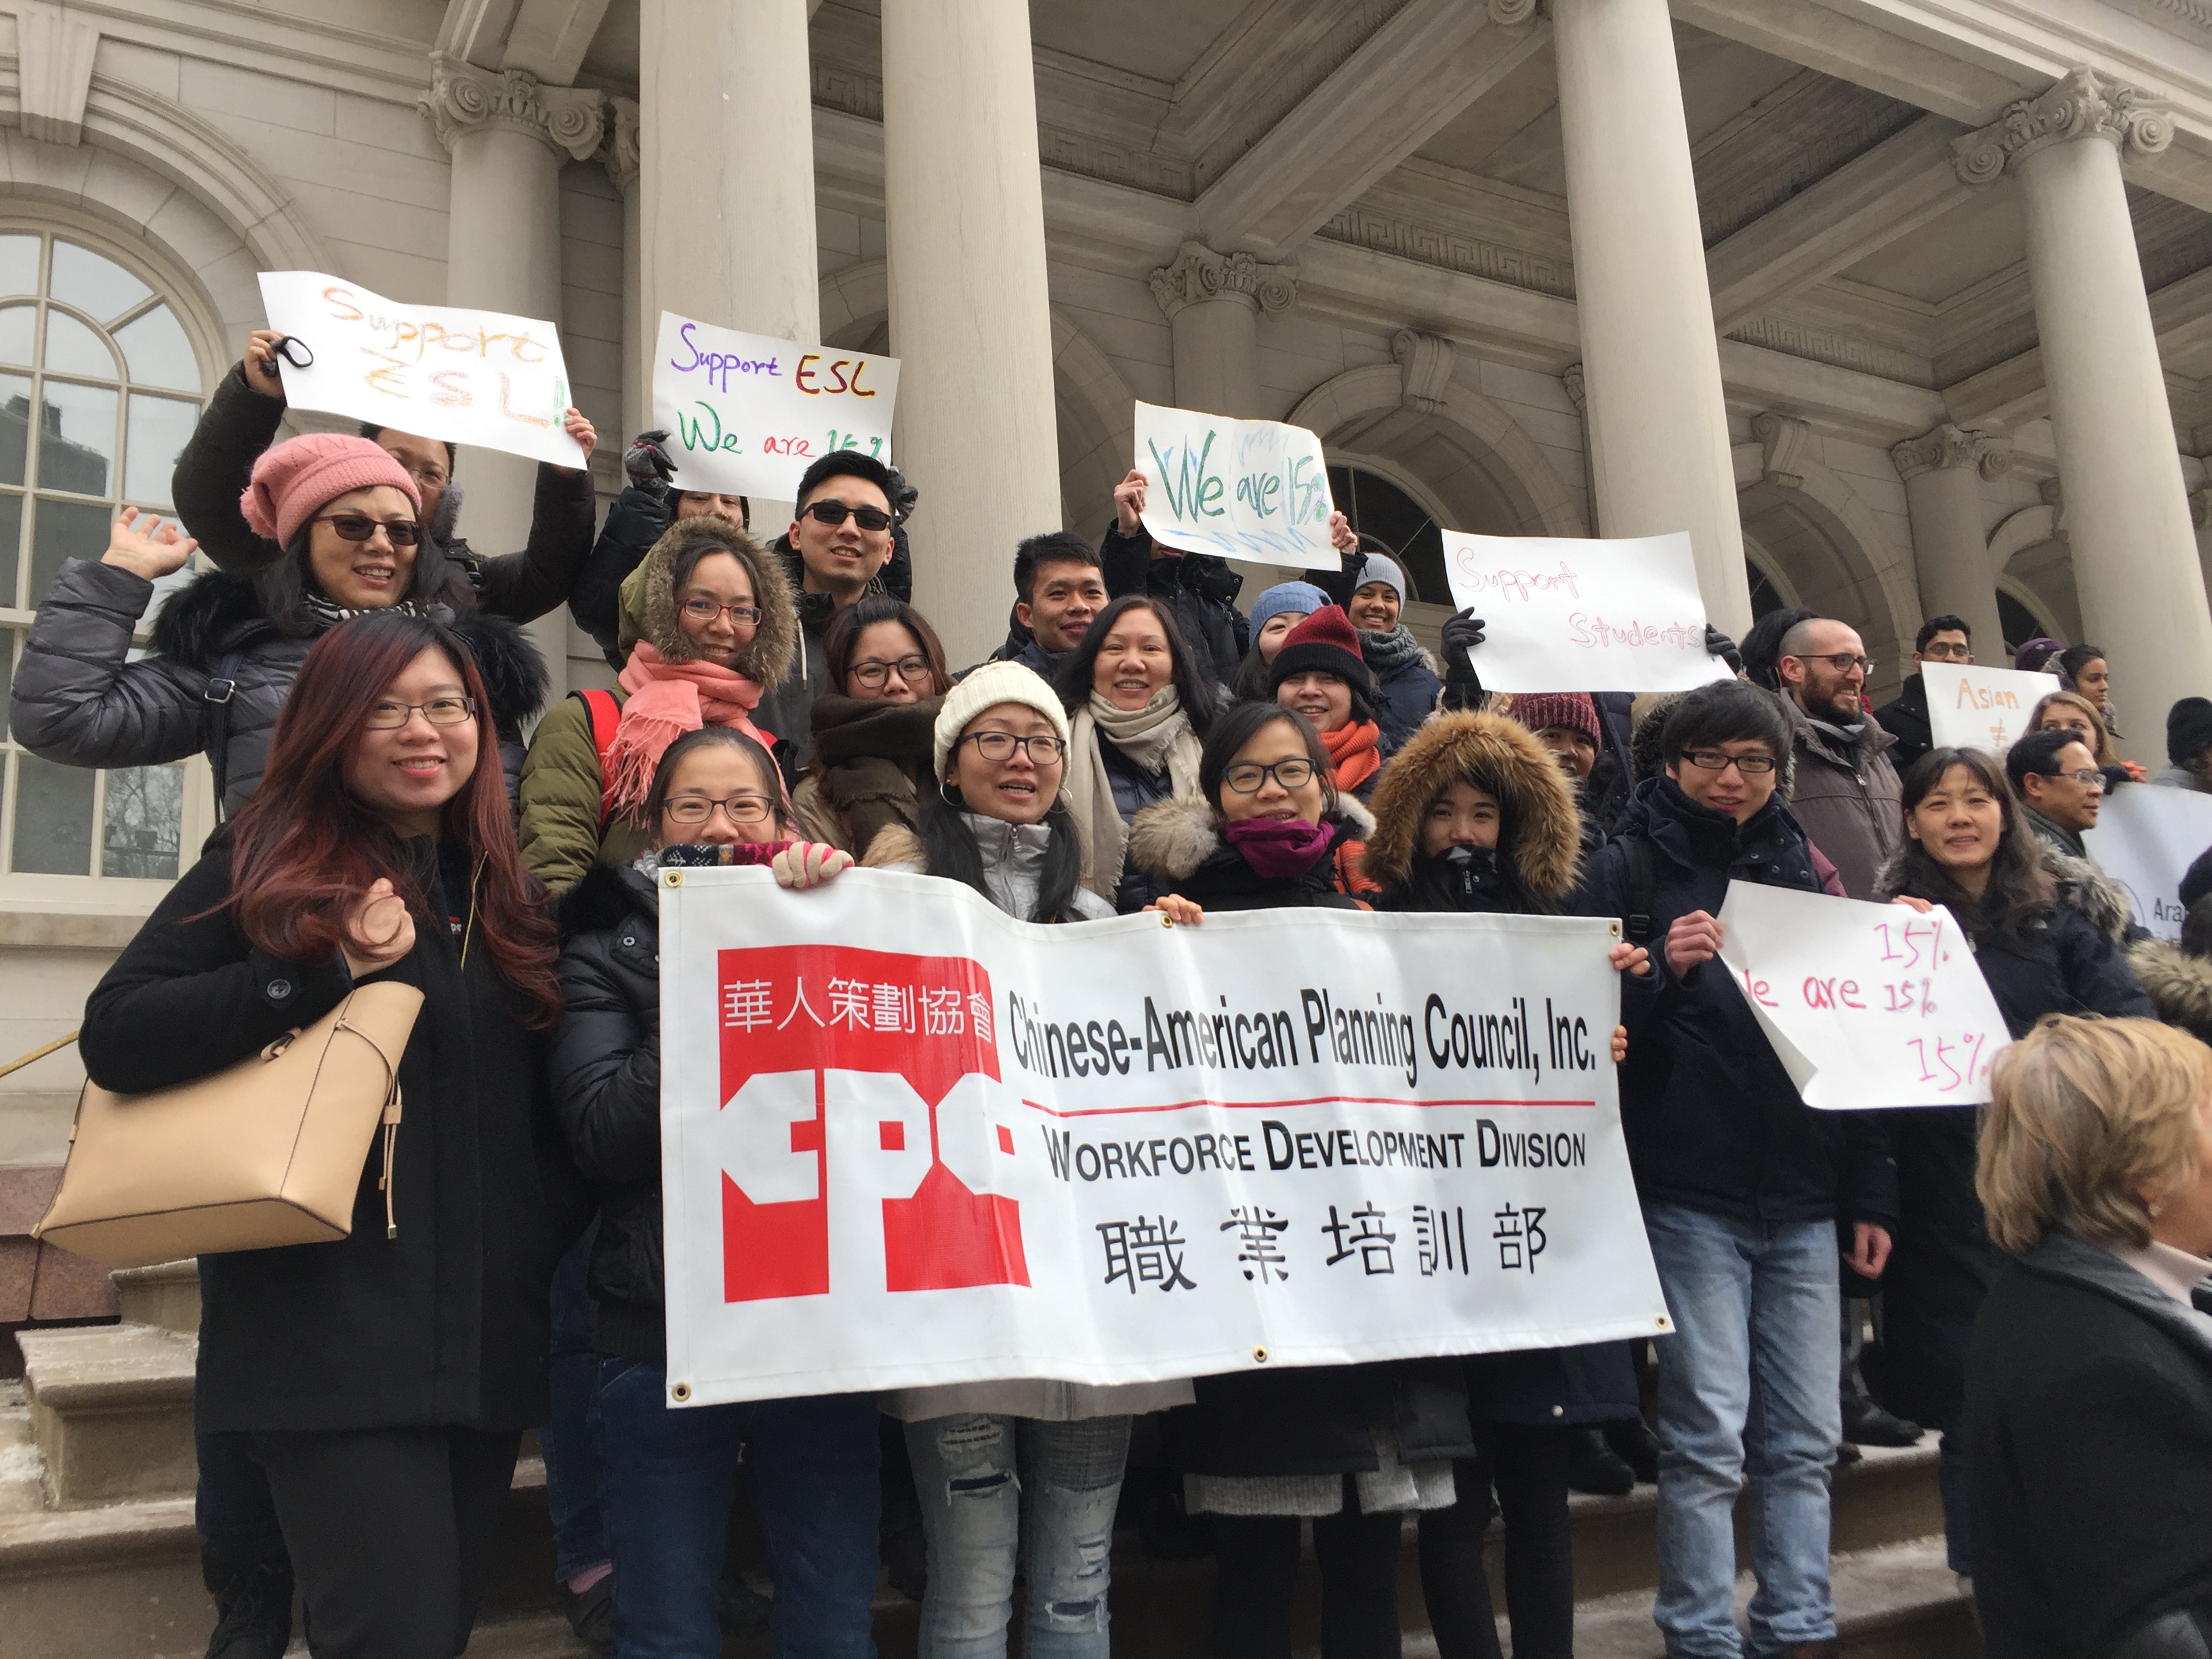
point(1974, 707)
point(1569, 615)
point(1867, 1006)
point(974, 1148)
point(1254, 490)
point(747, 414)
point(2147, 836)
point(467, 377)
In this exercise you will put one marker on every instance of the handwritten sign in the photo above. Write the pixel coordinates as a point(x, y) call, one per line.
point(469, 377)
point(2146, 838)
point(1971, 708)
point(1867, 1005)
point(1567, 615)
point(1254, 490)
point(747, 414)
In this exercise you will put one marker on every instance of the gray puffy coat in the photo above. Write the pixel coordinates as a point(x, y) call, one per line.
point(80, 701)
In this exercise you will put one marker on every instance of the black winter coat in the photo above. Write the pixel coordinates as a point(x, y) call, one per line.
point(1943, 1263)
point(1404, 698)
point(1904, 717)
point(1201, 589)
point(2088, 1432)
point(1712, 1120)
point(444, 1323)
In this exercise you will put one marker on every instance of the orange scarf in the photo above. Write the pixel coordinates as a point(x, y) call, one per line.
point(1354, 753)
point(666, 699)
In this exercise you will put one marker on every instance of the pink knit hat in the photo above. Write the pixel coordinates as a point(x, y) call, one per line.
point(297, 479)
point(1571, 711)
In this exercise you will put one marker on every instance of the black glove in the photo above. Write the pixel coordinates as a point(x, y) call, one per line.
point(646, 462)
point(1718, 644)
point(903, 497)
point(1462, 687)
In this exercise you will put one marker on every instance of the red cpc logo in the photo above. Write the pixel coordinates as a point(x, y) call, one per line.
point(919, 1024)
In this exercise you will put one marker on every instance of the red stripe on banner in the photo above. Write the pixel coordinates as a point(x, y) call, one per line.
point(1278, 1105)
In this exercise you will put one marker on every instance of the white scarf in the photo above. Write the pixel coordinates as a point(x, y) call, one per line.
point(1155, 735)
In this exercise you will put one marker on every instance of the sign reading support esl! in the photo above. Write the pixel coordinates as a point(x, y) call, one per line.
point(747, 414)
point(1566, 615)
point(1117, 1151)
point(2146, 837)
point(1866, 1005)
point(469, 377)
point(1255, 490)
point(1971, 708)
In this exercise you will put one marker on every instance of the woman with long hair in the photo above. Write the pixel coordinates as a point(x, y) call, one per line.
point(1968, 847)
point(1138, 705)
point(872, 726)
point(385, 1379)
point(2083, 669)
point(2075, 713)
point(1320, 675)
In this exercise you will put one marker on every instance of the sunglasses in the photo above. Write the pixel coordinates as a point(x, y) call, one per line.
point(359, 527)
point(834, 512)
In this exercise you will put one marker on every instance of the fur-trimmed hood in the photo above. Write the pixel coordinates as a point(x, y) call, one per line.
point(1501, 756)
point(648, 600)
point(2102, 901)
point(2179, 982)
point(1173, 837)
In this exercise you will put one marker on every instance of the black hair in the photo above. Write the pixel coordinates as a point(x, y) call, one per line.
point(845, 629)
point(1727, 711)
point(2019, 893)
point(1053, 547)
point(846, 464)
point(769, 775)
point(745, 503)
point(285, 587)
point(1238, 726)
point(699, 547)
point(948, 845)
point(1943, 624)
point(1363, 706)
point(2038, 752)
point(1762, 645)
point(370, 430)
point(1193, 687)
point(1254, 680)
point(2196, 929)
point(2073, 660)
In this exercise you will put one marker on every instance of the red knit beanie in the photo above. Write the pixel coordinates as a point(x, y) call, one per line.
point(1570, 711)
point(294, 480)
point(1325, 641)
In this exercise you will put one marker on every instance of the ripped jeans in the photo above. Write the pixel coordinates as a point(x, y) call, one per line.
point(991, 1486)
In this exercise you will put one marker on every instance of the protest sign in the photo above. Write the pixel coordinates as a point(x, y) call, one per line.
point(2147, 836)
point(1867, 1005)
point(1568, 615)
point(1255, 490)
point(747, 414)
point(974, 1148)
point(1971, 708)
point(468, 377)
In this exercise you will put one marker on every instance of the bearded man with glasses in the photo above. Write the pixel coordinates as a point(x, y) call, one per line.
point(1845, 792)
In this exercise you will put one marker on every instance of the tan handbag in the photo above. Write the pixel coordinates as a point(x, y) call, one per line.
point(265, 1152)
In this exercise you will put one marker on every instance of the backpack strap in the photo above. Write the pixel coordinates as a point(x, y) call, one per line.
point(604, 715)
point(216, 701)
point(1637, 926)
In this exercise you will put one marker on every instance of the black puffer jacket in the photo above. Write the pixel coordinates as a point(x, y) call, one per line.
point(1904, 717)
point(1712, 1120)
point(1201, 589)
point(79, 701)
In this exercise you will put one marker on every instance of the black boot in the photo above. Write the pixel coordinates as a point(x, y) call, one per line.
point(253, 1604)
point(1866, 1424)
point(1633, 1444)
point(1597, 1468)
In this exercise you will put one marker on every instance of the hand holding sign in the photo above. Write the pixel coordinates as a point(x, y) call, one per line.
point(1252, 490)
point(1867, 1005)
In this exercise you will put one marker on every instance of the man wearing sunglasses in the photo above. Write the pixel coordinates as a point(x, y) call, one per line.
point(2056, 779)
point(1845, 790)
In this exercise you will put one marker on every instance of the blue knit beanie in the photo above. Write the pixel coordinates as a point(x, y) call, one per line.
point(1302, 598)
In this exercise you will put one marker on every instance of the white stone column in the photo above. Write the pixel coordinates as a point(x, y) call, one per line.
point(508, 134)
point(970, 310)
point(2127, 510)
point(1943, 471)
point(1658, 430)
point(625, 166)
point(1212, 302)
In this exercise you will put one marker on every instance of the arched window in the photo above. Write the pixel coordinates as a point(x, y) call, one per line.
point(99, 387)
point(1389, 521)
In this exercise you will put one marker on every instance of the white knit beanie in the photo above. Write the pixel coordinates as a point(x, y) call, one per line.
point(992, 683)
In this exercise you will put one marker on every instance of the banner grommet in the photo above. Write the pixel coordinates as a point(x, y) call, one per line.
point(679, 1392)
point(1259, 1356)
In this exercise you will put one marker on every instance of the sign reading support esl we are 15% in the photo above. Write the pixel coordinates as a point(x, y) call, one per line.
point(747, 414)
point(1254, 490)
point(467, 377)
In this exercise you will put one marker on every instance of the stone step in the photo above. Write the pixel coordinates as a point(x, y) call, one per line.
point(22, 1471)
point(111, 1410)
point(166, 1296)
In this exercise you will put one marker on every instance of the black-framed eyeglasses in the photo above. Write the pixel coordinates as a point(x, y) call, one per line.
point(834, 512)
point(2087, 776)
point(1044, 750)
point(1250, 777)
point(359, 527)
point(1842, 661)
point(1715, 760)
point(390, 716)
point(1944, 651)
point(704, 611)
point(872, 671)
point(745, 812)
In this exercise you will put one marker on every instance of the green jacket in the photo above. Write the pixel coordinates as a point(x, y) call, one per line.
point(560, 797)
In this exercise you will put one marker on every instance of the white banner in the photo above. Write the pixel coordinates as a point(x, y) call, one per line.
point(2147, 836)
point(747, 414)
point(1972, 707)
point(1867, 1006)
point(1566, 615)
point(467, 377)
point(1255, 490)
point(1119, 1152)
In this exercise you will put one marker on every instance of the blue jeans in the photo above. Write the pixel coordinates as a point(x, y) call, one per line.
point(572, 1466)
point(995, 1487)
point(667, 1477)
point(1747, 1385)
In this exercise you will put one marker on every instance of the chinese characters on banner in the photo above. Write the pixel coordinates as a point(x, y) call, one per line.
point(1973, 707)
point(469, 377)
point(1122, 1153)
point(1867, 1005)
point(1255, 490)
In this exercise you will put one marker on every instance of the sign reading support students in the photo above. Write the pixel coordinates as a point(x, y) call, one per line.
point(973, 1148)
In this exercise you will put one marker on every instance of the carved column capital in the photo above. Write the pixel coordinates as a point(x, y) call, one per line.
point(2083, 105)
point(1787, 443)
point(464, 99)
point(1199, 274)
point(1948, 446)
point(624, 152)
point(1511, 14)
point(1426, 362)
point(1577, 392)
point(2200, 507)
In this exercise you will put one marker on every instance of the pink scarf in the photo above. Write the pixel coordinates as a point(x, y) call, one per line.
point(666, 699)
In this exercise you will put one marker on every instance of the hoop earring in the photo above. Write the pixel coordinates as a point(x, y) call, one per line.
point(946, 793)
